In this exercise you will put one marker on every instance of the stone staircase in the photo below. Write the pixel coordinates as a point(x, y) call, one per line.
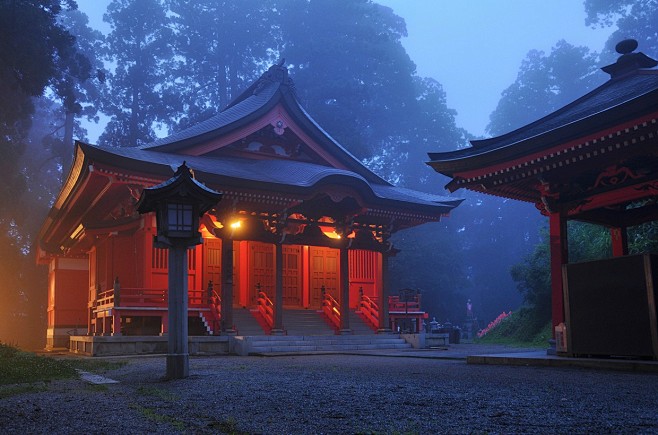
point(359, 326)
point(271, 345)
point(305, 322)
point(308, 332)
point(246, 323)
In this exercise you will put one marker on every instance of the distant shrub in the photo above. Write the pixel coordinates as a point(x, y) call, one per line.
point(522, 328)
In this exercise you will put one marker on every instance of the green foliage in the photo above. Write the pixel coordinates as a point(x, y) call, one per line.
point(22, 367)
point(533, 278)
point(643, 238)
point(17, 366)
point(523, 328)
point(139, 93)
point(588, 242)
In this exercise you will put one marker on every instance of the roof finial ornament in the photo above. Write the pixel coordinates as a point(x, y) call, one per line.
point(628, 61)
point(281, 62)
point(626, 46)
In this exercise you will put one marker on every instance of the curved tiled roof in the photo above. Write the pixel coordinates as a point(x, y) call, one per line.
point(225, 118)
point(271, 88)
point(264, 174)
point(607, 97)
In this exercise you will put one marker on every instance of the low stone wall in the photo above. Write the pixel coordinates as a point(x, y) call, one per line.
point(144, 345)
point(417, 341)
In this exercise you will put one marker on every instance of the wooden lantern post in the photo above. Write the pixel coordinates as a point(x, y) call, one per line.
point(178, 204)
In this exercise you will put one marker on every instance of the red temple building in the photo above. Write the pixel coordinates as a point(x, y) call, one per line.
point(301, 232)
point(594, 160)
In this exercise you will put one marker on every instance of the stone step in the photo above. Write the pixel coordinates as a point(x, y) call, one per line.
point(326, 348)
point(306, 343)
point(390, 338)
point(246, 323)
point(335, 343)
point(305, 322)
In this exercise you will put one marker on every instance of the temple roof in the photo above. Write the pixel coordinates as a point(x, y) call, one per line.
point(263, 152)
point(272, 88)
point(269, 175)
point(631, 92)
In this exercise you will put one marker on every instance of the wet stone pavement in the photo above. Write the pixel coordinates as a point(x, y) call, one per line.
point(341, 394)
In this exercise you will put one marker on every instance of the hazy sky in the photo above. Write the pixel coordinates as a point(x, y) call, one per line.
point(472, 47)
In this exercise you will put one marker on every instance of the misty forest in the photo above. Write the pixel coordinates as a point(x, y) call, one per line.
point(167, 64)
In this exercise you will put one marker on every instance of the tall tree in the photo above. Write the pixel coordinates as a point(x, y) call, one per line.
point(32, 44)
point(138, 95)
point(76, 89)
point(633, 18)
point(544, 84)
point(500, 232)
point(33, 47)
point(349, 64)
point(221, 46)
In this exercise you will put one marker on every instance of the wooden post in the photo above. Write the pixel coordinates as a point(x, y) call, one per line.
point(178, 355)
point(277, 328)
point(227, 286)
point(559, 256)
point(344, 291)
point(619, 240)
point(384, 325)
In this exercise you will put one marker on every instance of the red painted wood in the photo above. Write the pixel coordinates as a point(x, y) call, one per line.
point(323, 272)
point(559, 257)
point(619, 240)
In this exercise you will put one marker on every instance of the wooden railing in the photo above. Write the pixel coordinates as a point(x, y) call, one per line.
point(266, 308)
point(331, 309)
point(396, 305)
point(133, 297)
point(147, 297)
point(370, 310)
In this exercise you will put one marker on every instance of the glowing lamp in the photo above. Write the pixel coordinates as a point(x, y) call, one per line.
point(178, 203)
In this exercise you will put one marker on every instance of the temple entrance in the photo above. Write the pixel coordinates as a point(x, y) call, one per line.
point(261, 271)
point(324, 272)
point(292, 276)
point(212, 259)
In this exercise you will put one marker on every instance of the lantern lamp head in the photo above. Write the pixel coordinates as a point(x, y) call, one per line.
point(178, 204)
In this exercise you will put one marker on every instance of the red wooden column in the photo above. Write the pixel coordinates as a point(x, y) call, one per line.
point(227, 285)
point(344, 291)
point(277, 328)
point(384, 325)
point(559, 256)
point(619, 239)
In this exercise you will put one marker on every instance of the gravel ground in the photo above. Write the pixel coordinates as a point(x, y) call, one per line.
point(339, 394)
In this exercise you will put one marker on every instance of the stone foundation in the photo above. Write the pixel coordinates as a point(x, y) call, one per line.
point(144, 345)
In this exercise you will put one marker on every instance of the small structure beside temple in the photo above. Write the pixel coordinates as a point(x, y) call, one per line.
point(298, 245)
point(594, 160)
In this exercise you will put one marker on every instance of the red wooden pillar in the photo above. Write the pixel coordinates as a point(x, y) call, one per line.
point(227, 285)
point(559, 256)
point(116, 323)
point(344, 291)
point(277, 329)
point(384, 323)
point(619, 239)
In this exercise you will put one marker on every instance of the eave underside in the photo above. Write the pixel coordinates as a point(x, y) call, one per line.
point(105, 203)
point(610, 178)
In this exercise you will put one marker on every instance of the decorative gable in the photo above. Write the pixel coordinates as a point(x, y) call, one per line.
point(273, 136)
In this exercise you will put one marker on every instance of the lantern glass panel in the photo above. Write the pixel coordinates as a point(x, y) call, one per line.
point(180, 217)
